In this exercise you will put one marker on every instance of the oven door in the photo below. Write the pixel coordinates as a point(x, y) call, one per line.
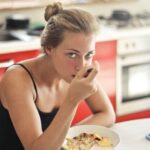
point(133, 83)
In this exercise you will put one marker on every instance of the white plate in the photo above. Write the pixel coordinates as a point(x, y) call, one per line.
point(102, 131)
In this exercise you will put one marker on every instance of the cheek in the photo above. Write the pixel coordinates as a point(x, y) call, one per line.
point(71, 64)
point(67, 64)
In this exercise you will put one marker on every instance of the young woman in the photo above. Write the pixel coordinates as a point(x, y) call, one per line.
point(39, 96)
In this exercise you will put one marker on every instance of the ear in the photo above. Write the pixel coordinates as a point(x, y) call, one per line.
point(48, 50)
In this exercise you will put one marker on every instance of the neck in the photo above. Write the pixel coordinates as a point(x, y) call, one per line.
point(46, 73)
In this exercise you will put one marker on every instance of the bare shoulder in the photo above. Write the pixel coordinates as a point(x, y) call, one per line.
point(15, 82)
point(12, 72)
point(17, 97)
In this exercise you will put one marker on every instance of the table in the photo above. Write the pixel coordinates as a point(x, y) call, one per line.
point(132, 134)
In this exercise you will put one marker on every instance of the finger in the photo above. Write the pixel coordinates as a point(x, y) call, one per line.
point(81, 73)
point(96, 65)
point(94, 71)
point(88, 72)
point(92, 74)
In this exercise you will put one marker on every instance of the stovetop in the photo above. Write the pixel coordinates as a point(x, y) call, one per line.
point(120, 19)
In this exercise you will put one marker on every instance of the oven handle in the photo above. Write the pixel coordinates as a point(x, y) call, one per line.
point(134, 59)
point(6, 64)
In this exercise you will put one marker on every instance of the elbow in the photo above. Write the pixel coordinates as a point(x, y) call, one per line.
point(111, 119)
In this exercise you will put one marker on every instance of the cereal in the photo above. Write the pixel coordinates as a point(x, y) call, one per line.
point(85, 141)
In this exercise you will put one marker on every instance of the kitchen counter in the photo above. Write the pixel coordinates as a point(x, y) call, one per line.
point(18, 46)
point(106, 34)
point(132, 134)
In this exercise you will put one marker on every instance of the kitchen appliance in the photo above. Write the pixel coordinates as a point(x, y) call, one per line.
point(122, 19)
point(16, 27)
point(36, 30)
point(120, 15)
point(133, 75)
point(17, 21)
point(6, 36)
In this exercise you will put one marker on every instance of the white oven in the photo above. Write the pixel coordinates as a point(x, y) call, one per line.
point(133, 75)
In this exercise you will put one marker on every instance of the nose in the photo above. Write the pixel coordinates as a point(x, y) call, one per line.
point(80, 63)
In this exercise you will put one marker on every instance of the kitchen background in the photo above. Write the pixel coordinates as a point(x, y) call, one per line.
point(96, 7)
point(122, 48)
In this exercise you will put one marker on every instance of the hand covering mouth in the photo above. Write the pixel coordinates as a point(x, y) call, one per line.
point(86, 74)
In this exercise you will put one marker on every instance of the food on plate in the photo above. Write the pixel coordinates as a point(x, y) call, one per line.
point(85, 141)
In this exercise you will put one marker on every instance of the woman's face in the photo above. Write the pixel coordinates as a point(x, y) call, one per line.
point(76, 51)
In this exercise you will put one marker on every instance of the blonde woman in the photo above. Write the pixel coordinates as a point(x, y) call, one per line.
point(39, 96)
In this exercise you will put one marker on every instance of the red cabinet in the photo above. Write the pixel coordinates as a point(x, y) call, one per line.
point(138, 115)
point(106, 56)
point(10, 58)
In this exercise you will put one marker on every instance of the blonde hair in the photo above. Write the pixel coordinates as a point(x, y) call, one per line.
point(60, 20)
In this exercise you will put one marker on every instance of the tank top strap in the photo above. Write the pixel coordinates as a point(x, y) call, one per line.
point(30, 74)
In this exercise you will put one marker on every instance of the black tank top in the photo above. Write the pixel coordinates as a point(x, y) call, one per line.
point(8, 137)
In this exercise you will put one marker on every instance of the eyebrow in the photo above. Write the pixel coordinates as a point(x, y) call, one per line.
point(74, 50)
point(77, 51)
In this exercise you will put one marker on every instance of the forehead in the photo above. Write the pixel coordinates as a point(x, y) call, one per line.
point(78, 41)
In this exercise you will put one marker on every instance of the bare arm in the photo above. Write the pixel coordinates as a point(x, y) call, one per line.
point(19, 99)
point(103, 112)
point(55, 134)
point(100, 105)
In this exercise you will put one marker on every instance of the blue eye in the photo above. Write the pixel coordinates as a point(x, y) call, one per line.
point(89, 56)
point(72, 55)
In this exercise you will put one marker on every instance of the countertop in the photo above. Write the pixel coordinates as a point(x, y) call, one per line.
point(132, 134)
point(18, 46)
point(105, 34)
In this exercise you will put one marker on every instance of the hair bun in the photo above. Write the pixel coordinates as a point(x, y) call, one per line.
point(52, 10)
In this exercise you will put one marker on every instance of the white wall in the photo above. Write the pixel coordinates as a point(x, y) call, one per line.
point(36, 14)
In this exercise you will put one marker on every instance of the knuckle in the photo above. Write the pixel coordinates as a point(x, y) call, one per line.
point(94, 89)
point(95, 71)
